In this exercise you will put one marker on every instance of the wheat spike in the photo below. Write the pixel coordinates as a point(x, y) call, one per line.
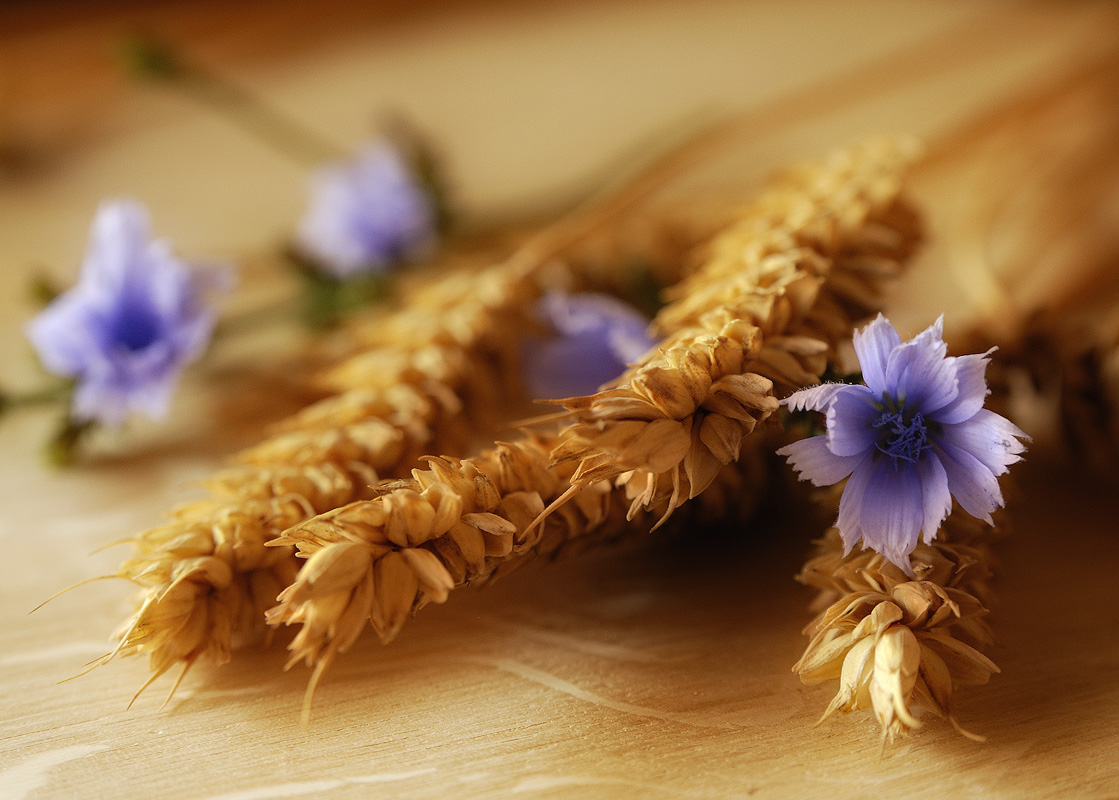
point(634, 453)
point(781, 288)
point(207, 575)
point(897, 642)
point(456, 522)
point(425, 378)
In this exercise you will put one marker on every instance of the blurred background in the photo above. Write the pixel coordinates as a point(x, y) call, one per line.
point(530, 102)
point(533, 106)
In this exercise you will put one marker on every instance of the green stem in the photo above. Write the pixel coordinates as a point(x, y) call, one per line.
point(254, 116)
point(256, 318)
point(154, 59)
point(12, 402)
point(64, 446)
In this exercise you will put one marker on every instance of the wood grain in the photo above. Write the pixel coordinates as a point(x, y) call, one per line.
point(659, 669)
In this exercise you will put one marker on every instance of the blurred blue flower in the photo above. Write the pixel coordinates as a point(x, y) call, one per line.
point(135, 318)
point(366, 216)
point(594, 338)
point(915, 436)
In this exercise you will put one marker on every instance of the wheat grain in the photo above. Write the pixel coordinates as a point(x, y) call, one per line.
point(634, 453)
point(897, 642)
point(780, 289)
point(427, 377)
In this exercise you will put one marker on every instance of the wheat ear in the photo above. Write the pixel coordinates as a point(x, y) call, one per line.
point(427, 377)
point(206, 573)
point(456, 522)
point(897, 642)
point(780, 289)
point(660, 437)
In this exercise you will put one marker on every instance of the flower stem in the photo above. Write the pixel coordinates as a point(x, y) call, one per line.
point(325, 301)
point(42, 397)
point(157, 60)
point(42, 289)
point(62, 448)
point(256, 318)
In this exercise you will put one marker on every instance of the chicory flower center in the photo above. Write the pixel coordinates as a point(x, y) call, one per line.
point(903, 435)
point(134, 329)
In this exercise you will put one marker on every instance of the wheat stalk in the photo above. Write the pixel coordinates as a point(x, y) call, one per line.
point(635, 452)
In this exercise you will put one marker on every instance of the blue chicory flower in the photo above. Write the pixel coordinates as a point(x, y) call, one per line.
point(594, 337)
point(915, 436)
point(366, 216)
point(135, 318)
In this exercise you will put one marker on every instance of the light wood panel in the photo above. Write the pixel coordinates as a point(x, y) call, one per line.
point(657, 669)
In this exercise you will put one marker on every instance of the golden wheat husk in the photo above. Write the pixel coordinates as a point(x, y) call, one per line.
point(426, 377)
point(778, 292)
point(897, 642)
point(635, 452)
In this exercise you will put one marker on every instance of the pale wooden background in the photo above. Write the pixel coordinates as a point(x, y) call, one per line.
point(656, 670)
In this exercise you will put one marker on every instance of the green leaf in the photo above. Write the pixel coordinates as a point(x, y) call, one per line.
point(645, 291)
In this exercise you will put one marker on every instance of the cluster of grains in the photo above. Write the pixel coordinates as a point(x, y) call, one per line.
point(206, 574)
point(897, 642)
point(780, 289)
point(427, 377)
point(636, 451)
point(459, 521)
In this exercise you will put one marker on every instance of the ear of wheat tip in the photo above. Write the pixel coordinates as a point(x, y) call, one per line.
point(658, 437)
point(206, 574)
point(427, 375)
point(897, 642)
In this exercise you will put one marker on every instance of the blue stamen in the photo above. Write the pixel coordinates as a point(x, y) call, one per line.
point(902, 439)
point(134, 329)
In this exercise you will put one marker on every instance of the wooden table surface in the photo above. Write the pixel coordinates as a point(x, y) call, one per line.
point(661, 668)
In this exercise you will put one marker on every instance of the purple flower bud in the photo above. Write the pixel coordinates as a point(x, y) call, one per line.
point(135, 318)
point(366, 216)
point(595, 337)
point(915, 436)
